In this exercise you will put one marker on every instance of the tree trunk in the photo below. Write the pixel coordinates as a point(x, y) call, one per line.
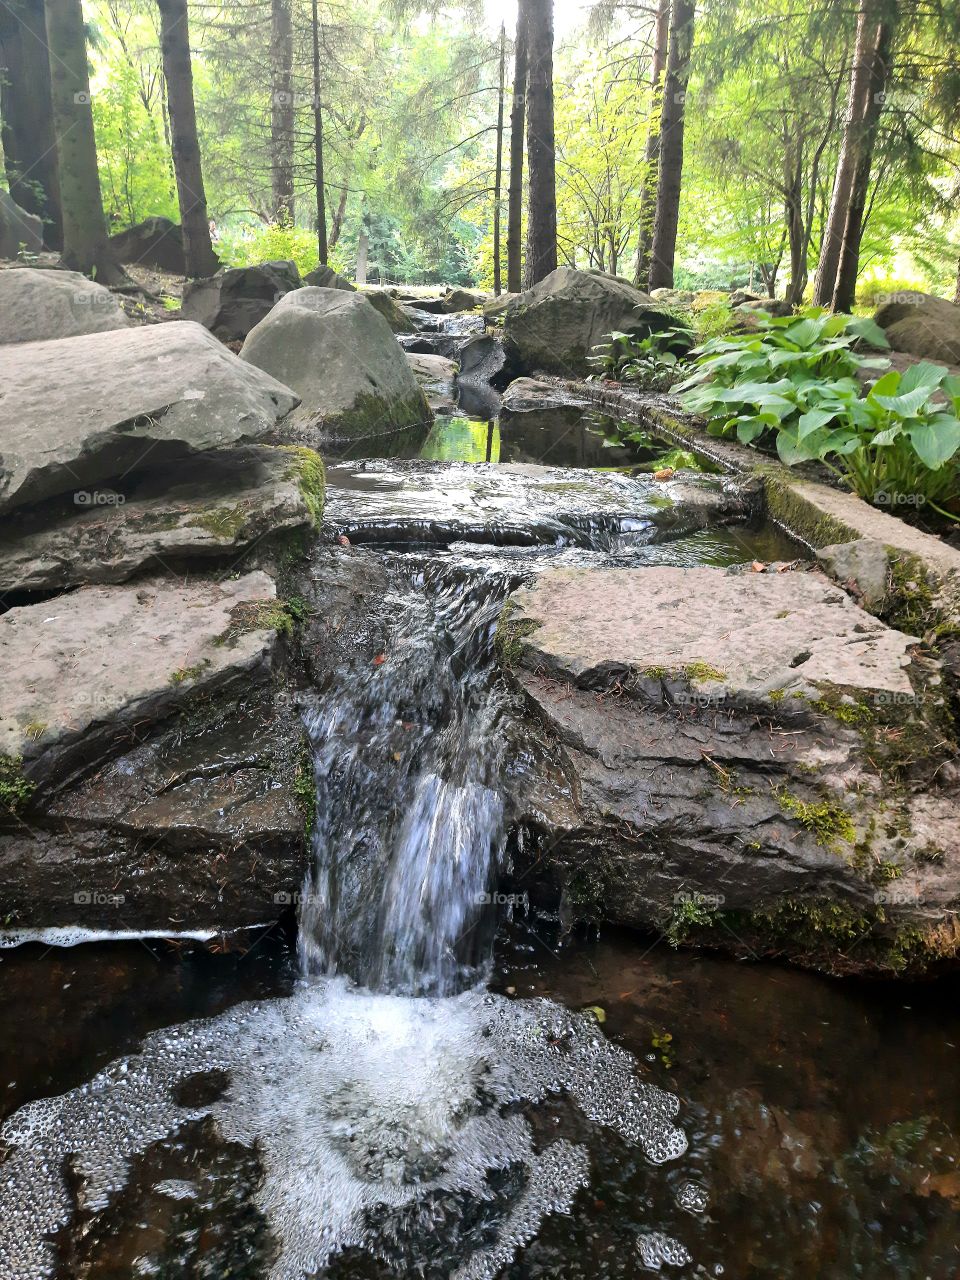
point(26, 110)
point(282, 113)
point(831, 248)
point(498, 170)
point(337, 221)
point(322, 248)
point(845, 289)
point(541, 257)
point(85, 245)
point(670, 170)
point(956, 296)
point(199, 257)
point(796, 230)
point(363, 248)
point(515, 185)
point(651, 153)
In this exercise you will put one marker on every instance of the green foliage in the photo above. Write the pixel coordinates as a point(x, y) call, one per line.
point(136, 171)
point(650, 362)
point(15, 789)
point(794, 379)
point(269, 242)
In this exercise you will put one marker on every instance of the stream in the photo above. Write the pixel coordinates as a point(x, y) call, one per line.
point(428, 1077)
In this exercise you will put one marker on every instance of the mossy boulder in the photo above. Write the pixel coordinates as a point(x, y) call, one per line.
point(342, 359)
point(922, 325)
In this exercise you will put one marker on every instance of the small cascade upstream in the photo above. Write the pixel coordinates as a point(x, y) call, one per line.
point(409, 826)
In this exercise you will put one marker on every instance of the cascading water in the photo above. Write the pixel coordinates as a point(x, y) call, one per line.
point(409, 818)
point(394, 1109)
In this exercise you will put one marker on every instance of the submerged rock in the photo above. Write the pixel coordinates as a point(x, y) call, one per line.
point(91, 409)
point(343, 361)
point(728, 758)
point(554, 326)
point(228, 501)
point(37, 306)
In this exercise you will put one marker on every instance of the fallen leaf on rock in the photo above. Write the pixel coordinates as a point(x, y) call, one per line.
point(758, 566)
point(380, 659)
point(343, 540)
point(664, 473)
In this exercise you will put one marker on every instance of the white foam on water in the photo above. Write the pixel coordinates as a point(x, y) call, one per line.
point(76, 935)
point(364, 1108)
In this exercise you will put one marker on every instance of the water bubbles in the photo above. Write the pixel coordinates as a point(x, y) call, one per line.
point(655, 1249)
point(385, 1124)
point(692, 1197)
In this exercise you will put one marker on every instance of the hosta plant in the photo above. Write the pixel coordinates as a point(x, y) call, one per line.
point(793, 382)
point(651, 362)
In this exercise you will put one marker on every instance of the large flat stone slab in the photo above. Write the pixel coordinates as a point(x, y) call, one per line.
point(79, 671)
point(218, 506)
point(756, 633)
point(741, 760)
point(83, 410)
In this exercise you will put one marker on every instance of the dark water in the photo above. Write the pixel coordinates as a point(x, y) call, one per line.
point(822, 1117)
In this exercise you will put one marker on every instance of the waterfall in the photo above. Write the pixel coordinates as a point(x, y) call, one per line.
point(409, 830)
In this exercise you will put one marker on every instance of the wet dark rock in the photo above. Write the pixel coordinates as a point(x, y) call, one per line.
point(155, 242)
point(230, 303)
point(437, 376)
point(227, 501)
point(484, 359)
point(520, 505)
point(723, 759)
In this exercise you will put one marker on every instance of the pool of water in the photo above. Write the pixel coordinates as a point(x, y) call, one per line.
point(822, 1118)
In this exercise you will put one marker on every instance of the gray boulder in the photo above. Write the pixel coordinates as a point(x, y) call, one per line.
point(922, 325)
point(463, 300)
point(154, 242)
point(81, 411)
point(233, 301)
point(395, 315)
point(18, 228)
point(437, 375)
point(343, 361)
point(326, 278)
point(553, 326)
point(36, 305)
point(224, 502)
point(745, 788)
point(494, 308)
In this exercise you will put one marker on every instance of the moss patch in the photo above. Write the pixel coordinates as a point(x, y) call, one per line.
point(828, 822)
point(182, 674)
point(510, 634)
point(309, 471)
point(223, 522)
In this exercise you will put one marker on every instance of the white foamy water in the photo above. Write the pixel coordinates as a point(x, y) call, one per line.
point(364, 1108)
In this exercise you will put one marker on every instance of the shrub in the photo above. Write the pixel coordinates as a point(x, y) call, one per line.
point(270, 242)
point(650, 362)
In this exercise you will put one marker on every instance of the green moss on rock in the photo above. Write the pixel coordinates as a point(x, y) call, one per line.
point(15, 788)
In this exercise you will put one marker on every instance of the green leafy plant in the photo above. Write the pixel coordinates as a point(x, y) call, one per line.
point(650, 362)
point(793, 381)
